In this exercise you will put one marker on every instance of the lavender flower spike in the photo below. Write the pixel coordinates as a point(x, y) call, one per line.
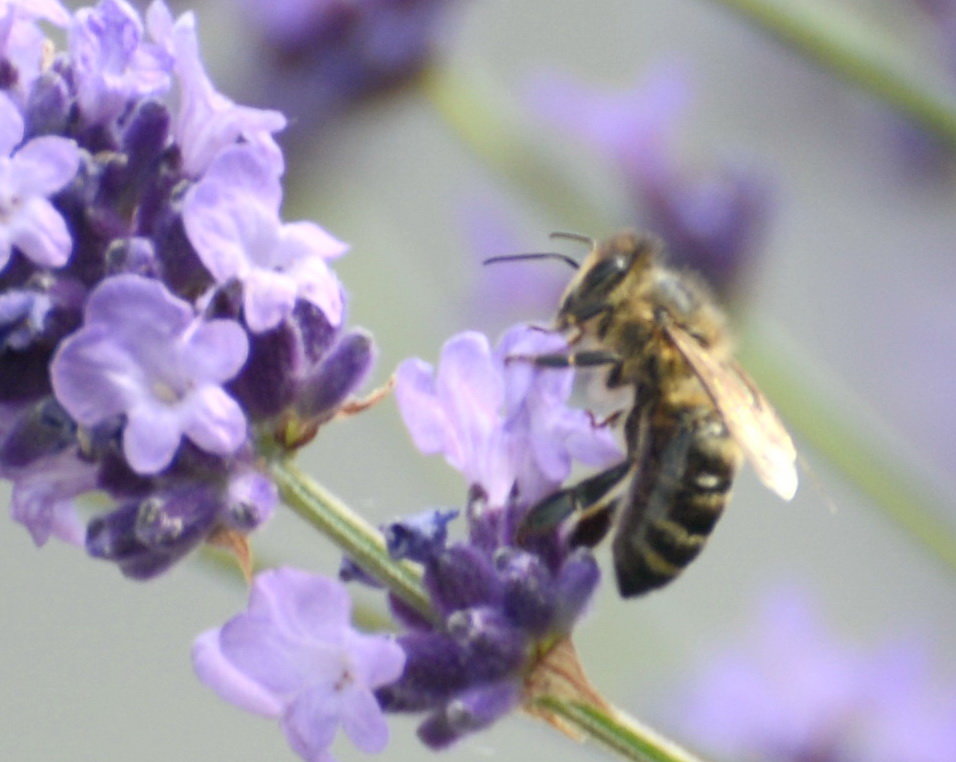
point(36, 171)
point(502, 424)
point(294, 656)
point(232, 219)
point(143, 353)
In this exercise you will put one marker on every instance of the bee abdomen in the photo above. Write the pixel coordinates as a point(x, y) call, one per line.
point(675, 501)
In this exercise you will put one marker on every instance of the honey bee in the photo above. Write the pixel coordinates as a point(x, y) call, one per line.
point(695, 413)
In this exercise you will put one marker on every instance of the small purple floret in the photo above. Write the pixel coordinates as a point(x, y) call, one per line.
point(35, 171)
point(143, 353)
point(294, 656)
point(232, 219)
point(502, 423)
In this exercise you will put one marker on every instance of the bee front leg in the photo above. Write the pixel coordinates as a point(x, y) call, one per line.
point(585, 359)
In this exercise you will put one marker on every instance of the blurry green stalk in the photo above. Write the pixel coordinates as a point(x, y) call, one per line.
point(833, 38)
point(489, 126)
point(361, 542)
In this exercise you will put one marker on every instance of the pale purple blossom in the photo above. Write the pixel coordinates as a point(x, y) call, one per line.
point(112, 62)
point(22, 42)
point(232, 220)
point(143, 353)
point(207, 121)
point(294, 656)
point(43, 495)
point(501, 422)
point(29, 174)
point(791, 691)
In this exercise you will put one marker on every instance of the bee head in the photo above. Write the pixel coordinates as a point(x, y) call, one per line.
point(597, 285)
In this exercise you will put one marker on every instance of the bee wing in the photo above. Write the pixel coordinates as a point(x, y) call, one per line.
point(749, 417)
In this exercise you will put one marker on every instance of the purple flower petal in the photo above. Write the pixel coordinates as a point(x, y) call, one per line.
point(217, 671)
point(294, 654)
point(309, 724)
point(43, 497)
point(207, 121)
point(11, 126)
point(362, 719)
point(136, 354)
point(46, 164)
point(268, 297)
point(112, 63)
point(232, 219)
point(500, 420)
point(151, 437)
point(39, 231)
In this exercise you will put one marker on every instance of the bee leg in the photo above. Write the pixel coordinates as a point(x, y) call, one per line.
point(587, 494)
point(585, 359)
point(593, 525)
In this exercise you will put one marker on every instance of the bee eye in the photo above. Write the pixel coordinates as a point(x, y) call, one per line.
point(606, 274)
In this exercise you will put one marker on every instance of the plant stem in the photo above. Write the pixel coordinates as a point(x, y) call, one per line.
point(357, 538)
point(623, 735)
point(841, 43)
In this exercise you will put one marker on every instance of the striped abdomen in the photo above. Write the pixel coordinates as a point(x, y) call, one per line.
point(686, 466)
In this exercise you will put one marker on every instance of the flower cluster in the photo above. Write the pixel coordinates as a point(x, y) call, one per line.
point(791, 692)
point(500, 604)
point(497, 606)
point(712, 220)
point(160, 323)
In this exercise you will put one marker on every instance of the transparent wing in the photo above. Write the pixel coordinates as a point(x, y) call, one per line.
point(749, 417)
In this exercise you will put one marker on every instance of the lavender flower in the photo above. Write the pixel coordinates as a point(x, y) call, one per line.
point(711, 220)
point(143, 354)
point(791, 692)
point(293, 656)
point(503, 423)
point(29, 174)
point(207, 121)
point(323, 56)
point(113, 63)
point(159, 322)
point(232, 218)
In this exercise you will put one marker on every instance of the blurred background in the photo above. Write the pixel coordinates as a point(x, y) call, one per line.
point(834, 230)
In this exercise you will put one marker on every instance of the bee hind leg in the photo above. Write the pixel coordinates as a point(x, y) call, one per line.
point(586, 496)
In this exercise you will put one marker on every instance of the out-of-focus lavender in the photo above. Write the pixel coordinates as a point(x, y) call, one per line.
point(713, 217)
point(792, 691)
point(161, 325)
point(318, 58)
point(506, 291)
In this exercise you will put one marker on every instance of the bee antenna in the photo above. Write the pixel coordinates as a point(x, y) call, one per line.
point(573, 237)
point(533, 255)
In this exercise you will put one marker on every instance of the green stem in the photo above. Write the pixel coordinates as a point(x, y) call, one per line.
point(357, 538)
point(872, 469)
point(842, 44)
point(622, 735)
